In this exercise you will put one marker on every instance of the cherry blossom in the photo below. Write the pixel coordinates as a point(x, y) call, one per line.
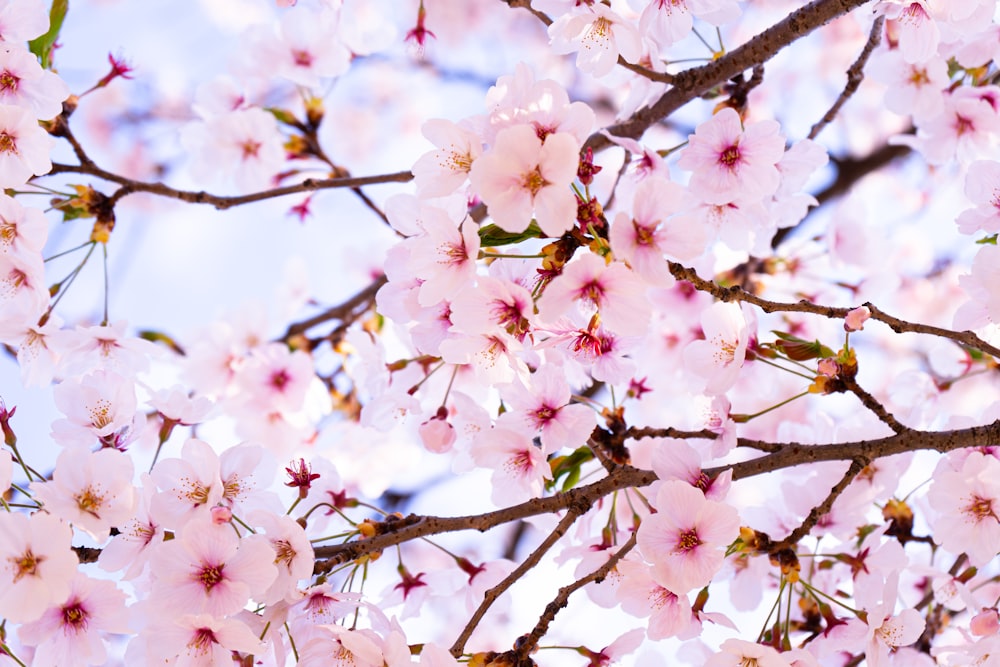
point(613, 290)
point(519, 467)
point(73, 632)
point(36, 565)
point(92, 491)
point(967, 500)
point(96, 407)
point(441, 172)
point(305, 48)
point(683, 539)
point(24, 83)
point(729, 162)
point(24, 147)
point(545, 405)
point(523, 175)
point(244, 144)
point(207, 569)
point(598, 35)
point(716, 361)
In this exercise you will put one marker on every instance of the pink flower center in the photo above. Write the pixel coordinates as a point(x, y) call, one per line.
point(980, 508)
point(544, 414)
point(75, 616)
point(210, 576)
point(284, 553)
point(520, 463)
point(279, 379)
point(202, 641)
point(533, 181)
point(250, 148)
point(9, 81)
point(687, 541)
point(962, 125)
point(302, 58)
point(8, 143)
point(90, 501)
point(644, 236)
point(25, 565)
point(730, 156)
point(918, 77)
point(509, 316)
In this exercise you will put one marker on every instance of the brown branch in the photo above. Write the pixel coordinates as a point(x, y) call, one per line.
point(816, 513)
point(561, 600)
point(874, 405)
point(346, 312)
point(737, 293)
point(223, 202)
point(855, 75)
point(526, 4)
point(784, 455)
point(531, 561)
point(637, 433)
point(698, 80)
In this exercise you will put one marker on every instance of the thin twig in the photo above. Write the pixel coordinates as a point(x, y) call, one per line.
point(817, 513)
point(855, 75)
point(874, 405)
point(737, 293)
point(494, 593)
point(561, 600)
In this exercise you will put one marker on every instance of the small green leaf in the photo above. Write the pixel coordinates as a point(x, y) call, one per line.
point(42, 46)
point(492, 236)
point(989, 240)
point(799, 349)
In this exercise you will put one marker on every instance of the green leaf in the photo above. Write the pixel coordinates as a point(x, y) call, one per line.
point(42, 46)
point(492, 236)
point(799, 349)
point(989, 240)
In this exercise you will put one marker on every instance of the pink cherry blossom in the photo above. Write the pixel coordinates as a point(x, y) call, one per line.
point(106, 347)
point(91, 490)
point(207, 569)
point(982, 187)
point(24, 147)
point(37, 565)
point(244, 144)
point(37, 344)
point(642, 239)
point(669, 21)
point(729, 162)
point(616, 293)
point(96, 408)
point(25, 84)
point(444, 256)
point(598, 35)
point(915, 88)
point(131, 548)
point(305, 47)
point(441, 172)
point(716, 361)
point(685, 538)
point(519, 467)
point(22, 229)
point(518, 99)
point(22, 20)
point(493, 305)
point(916, 30)
point(967, 500)
point(641, 595)
point(521, 176)
point(200, 640)
point(74, 631)
point(187, 485)
point(293, 555)
point(545, 405)
point(738, 652)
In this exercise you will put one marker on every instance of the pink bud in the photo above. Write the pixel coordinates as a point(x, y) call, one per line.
point(827, 367)
point(855, 319)
point(986, 622)
point(221, 515)
point(438, 435)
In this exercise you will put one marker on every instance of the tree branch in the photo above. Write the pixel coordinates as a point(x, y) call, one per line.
point(737, 293)
point(531, 561)
point(697, 80)
point(561, 600)
point(855, 75)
